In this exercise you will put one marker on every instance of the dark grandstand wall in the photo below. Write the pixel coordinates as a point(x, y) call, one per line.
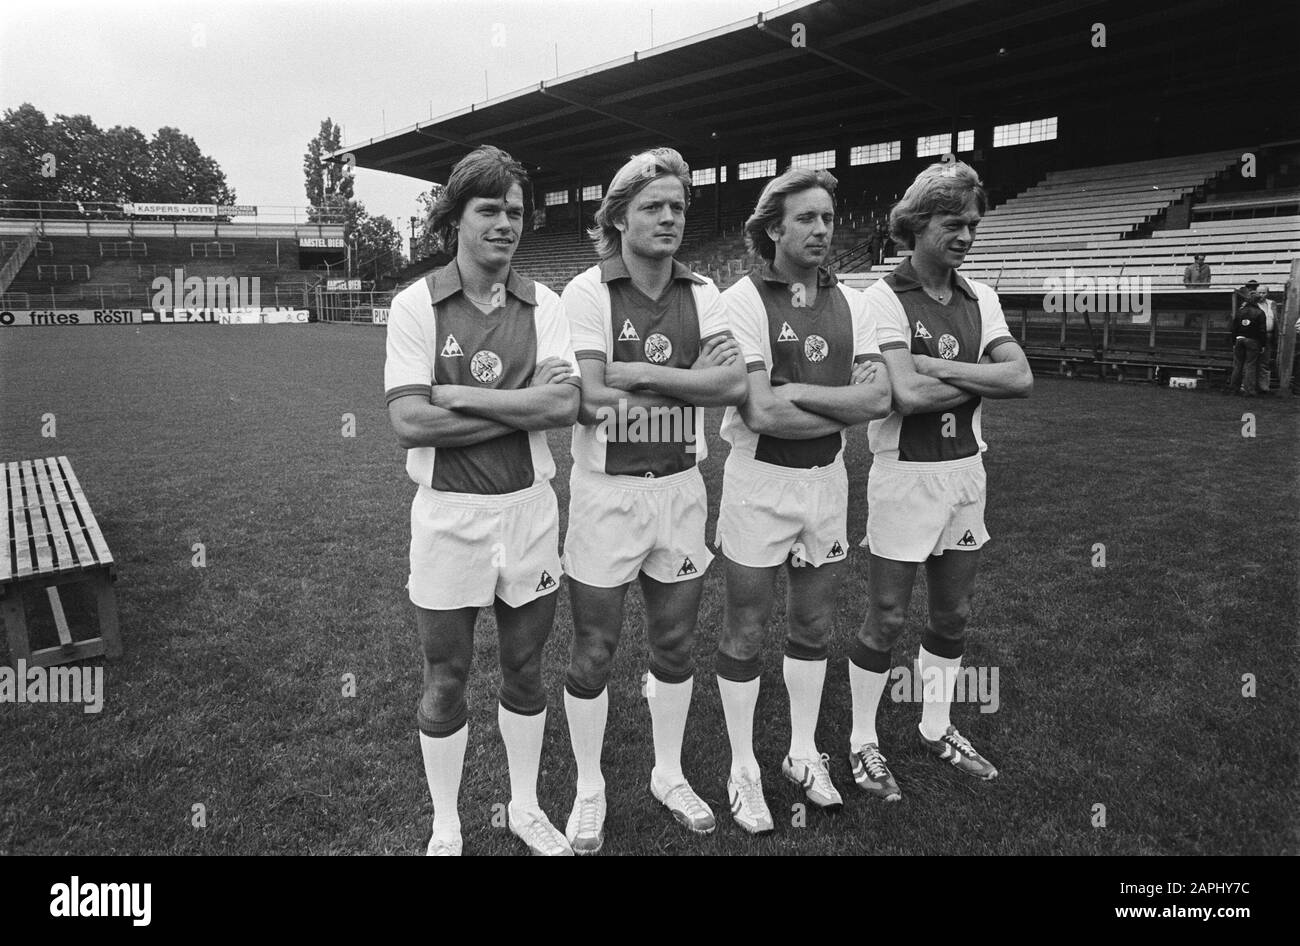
point(1157, 124)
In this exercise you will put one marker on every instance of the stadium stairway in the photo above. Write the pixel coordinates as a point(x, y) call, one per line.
point(18, 252)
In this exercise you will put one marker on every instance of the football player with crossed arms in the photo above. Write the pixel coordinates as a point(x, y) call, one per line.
point(948, 347)
point(814, 369)
point(653, 347)
point(479, 367)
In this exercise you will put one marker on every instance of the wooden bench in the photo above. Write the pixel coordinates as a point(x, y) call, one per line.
point(1117, 363)
point(49, 537)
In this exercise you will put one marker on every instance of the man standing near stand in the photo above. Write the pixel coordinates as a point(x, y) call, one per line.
point(813, 370)
point(1249, 335)
point(479, 367)
point(947, 346)
point(654, 347)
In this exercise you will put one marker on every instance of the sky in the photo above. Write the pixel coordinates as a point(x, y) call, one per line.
point(252, 81)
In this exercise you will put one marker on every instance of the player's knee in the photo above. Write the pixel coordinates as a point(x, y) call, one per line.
point(809, 634)
point(886, 617)
point(591, 659)
point(442, 708)
point(741, 641)
point(950, 623)
point(672, 659)
point(522, 693)
point(588, 673)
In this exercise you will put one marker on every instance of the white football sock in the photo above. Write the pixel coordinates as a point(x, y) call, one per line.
point(523, 738)
point(866, 687)
point(669, 704)
point(587, 734)
point(738, 701)
point(444, 761)
point(804, 680)
point(938, 678)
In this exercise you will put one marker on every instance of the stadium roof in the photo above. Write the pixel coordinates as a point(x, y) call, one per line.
point(806, 75)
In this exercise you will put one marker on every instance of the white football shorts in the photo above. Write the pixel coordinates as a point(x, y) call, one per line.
point(770, 512)
point(915, 510)
point(620, 526)
point(468, 549)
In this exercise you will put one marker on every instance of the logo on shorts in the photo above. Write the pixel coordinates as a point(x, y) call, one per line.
point(688, 568)
point(451, 349)
point(967, 541)
point(948, 346)
point(629, 332)
point(546, 582)
point(485, 366)
point(815, 348)
point(922, 331)
point(787, 333)
point(658, 348)
point(837, 551)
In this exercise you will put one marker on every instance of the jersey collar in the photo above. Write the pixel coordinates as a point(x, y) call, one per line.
point(446, 283)
point(613, 267)
point(767, 273)
point(904, 278)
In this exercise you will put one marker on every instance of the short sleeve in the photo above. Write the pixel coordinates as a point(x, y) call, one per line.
point(408, 367)
point(865, 345)
point(888, 319)
point(553, 339)
point(995, 330)
point(712, 312)
point(586, 318)
point(748, 322)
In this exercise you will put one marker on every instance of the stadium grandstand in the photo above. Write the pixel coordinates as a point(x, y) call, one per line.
point(92, 262)
point(1116, 140)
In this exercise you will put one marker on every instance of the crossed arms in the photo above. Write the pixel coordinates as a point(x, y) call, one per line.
point(923, 384)
point(457, 415)
point(799, 411)
point(714, 380)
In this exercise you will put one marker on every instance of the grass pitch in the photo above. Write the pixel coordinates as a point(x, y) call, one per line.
point(1119, 686)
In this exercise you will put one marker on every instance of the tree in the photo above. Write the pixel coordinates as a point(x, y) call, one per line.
point(329, 186)
point(378, 246)
point(426, 243)
point(89, 164)
point(181, 173)
point(25, 139)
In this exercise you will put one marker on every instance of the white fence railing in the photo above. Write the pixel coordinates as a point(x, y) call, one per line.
point(361, 308)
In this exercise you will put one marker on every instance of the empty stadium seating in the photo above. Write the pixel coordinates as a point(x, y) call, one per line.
point(1085, 222)
point(111, 269)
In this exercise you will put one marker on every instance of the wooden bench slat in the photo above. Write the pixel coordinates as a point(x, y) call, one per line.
point(36, 524)
point(22, 548)
point(83, 505)
point(54, 516)
point(6, 530)
point(85, 556)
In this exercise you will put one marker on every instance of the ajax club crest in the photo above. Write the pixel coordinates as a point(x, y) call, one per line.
point(485, 366)
point(948, 346)
point(815, 348)
point(658, 348)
